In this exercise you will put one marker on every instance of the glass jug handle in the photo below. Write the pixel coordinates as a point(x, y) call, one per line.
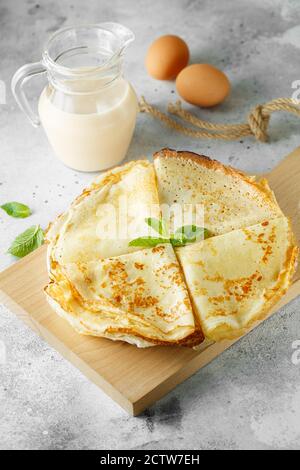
point(19, 79)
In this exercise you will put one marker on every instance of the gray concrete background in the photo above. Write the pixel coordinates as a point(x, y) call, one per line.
point(250, 396)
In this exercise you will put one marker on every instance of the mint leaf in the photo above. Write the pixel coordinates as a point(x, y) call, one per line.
point(27, 241)
point(16, 209)
point(192, 233)
point(148, 241)
point(158, 225)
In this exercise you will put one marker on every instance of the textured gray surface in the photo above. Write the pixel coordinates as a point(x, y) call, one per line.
point(250, 396)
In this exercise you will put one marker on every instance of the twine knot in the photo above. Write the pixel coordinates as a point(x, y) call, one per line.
point(256, 125)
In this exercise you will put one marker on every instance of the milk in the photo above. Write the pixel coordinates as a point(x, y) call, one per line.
point(88, 123)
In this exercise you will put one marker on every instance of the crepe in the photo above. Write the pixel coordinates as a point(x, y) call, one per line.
point(209, 194)
point(235, 278)
point(107, 215)
point(103, 286)
point(140, 298)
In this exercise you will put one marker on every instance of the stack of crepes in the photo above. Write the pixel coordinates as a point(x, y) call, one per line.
point(214, 289)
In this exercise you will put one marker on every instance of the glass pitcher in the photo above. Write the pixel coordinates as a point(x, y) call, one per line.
point(88, 110)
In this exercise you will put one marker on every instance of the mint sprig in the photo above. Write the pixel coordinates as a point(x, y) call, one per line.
point(182, 236)
point(16, 209)
point(27, 241)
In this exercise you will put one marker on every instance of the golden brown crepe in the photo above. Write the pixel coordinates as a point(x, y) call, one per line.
point(234, 279)
point(140, 297)
point(222, 198)
point(104, 287)
point(107, 215)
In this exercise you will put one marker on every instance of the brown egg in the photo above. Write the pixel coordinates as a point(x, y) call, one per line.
point(202, 85)
point(166, 57)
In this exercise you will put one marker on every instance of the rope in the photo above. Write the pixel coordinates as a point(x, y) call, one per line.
point(256, 125)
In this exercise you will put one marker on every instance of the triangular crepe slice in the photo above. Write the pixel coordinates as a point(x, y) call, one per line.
point(106, 216)
point(221, 198)
point(140, 298)
point(235, 278)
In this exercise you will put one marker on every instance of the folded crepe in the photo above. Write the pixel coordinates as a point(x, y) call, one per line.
point(220, 198)
point(140, 298)
point(235, 278)
point(105, 287)
point(107, 215)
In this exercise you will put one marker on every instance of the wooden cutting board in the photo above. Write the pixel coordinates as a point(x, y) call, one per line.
point(134, 378)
